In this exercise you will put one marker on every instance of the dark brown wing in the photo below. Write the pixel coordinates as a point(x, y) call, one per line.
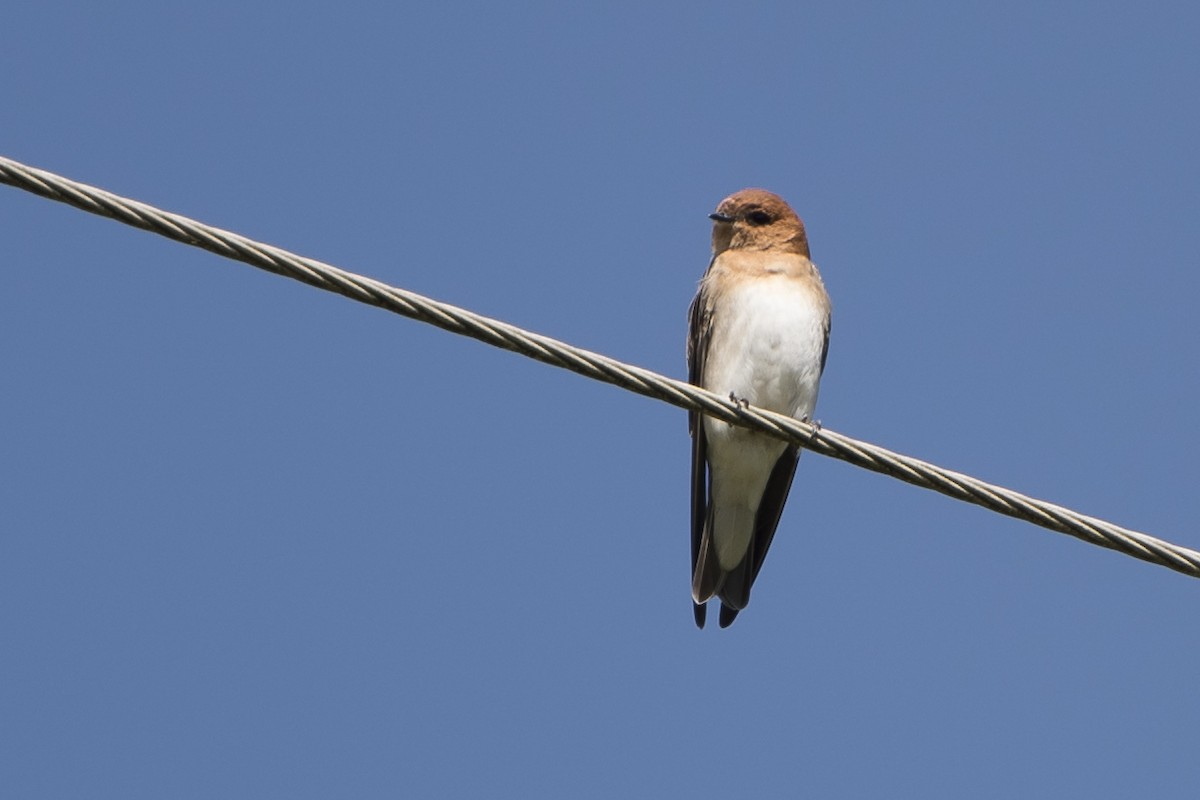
point(699, 323)
point(825, 344)
point(699, 508)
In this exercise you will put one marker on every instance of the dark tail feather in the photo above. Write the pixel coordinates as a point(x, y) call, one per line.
point(728, 615)
point(735, 590)
point(700, 610)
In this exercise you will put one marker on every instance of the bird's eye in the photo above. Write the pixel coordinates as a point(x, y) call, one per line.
point(758, 217)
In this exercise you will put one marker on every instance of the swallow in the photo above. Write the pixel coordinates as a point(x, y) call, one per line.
point(758, 332)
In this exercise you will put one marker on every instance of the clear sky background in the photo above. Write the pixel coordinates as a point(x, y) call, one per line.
point(261, 541)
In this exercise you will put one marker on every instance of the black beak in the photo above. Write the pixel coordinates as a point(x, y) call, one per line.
point(716, 217)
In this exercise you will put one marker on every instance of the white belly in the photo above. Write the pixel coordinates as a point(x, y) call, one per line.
point(766, 345)
point(767, 340)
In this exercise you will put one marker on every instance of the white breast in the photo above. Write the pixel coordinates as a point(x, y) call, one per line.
point(767, 339)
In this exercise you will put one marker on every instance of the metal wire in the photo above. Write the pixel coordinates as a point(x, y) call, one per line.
point(599, 367)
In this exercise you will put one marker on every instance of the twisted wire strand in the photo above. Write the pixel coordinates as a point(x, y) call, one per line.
point(599, 367)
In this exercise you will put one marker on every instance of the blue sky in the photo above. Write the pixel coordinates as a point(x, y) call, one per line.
point(261, 541)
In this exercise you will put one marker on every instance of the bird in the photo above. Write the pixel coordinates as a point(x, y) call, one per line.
point(758, 332)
